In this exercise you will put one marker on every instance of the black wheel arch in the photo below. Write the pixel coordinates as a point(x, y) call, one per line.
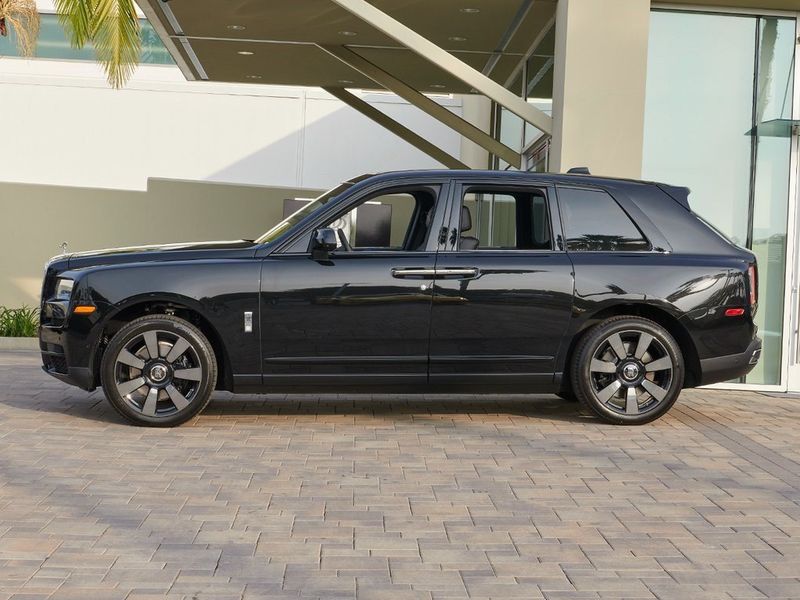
point(637, 309)
point(184, 308)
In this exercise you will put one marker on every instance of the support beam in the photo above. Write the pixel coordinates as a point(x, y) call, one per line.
point(421, 101)
point(396, 128)
point(447, 62)
point(534, 81)
point(532, 49)
point(509, 34)
point(604, 132)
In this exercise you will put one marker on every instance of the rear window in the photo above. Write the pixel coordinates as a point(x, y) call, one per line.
point(715, 230)
point(594, 222)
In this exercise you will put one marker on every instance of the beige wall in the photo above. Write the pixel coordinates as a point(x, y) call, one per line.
point(478, 111)
point(35, 219)
point(600, 75)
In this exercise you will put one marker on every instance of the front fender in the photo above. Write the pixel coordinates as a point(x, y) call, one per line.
point(220, 292)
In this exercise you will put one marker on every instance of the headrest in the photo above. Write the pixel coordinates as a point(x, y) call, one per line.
point(466, 219)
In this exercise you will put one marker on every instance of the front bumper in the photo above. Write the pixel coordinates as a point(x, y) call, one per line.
point(732, 366)
point(55, 349)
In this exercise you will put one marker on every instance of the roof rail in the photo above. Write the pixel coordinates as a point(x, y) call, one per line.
point(579, 171)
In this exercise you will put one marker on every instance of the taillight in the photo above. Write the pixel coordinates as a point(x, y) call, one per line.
point(752, 276)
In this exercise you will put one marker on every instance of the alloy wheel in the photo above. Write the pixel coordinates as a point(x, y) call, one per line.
point(631, 372)
point(158, 373)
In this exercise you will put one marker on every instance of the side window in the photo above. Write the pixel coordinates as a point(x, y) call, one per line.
point(397, 221)
point(594, 222)
point(493, 219)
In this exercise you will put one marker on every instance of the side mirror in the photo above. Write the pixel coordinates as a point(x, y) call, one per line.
point(325, 242)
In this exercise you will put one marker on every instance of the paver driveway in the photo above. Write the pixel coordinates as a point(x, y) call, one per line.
point(395, 497)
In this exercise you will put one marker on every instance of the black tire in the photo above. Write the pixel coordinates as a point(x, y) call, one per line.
point(176, 384)
point(642, 385)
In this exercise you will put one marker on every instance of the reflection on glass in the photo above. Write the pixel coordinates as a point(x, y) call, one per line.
point(699, 104)
point(771, 191)
point(703, 129)
point(539, 82)
point(510, 133)
point(53, 43)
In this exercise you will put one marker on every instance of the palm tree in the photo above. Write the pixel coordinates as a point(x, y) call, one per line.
point(110, 26)
point(24, 18)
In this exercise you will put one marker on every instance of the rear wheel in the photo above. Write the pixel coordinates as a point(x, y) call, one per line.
point(628, 370)
point(159, 371)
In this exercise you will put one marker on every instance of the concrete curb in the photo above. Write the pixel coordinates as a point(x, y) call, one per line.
point(15, 344)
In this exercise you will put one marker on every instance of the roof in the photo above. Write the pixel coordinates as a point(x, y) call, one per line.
point(509, 175)
point(282, 39)
point(205, 37)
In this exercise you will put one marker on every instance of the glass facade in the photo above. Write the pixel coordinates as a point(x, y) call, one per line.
point(533, 82)
point(54, 44)
point(710, 124)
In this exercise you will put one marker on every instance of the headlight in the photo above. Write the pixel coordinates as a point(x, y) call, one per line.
point(63, 289)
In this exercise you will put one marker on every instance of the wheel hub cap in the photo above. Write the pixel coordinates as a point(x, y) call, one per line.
point(158, 373)
point(630, 372)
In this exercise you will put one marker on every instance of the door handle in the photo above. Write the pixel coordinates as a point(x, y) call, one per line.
point(454, 273)
point(459, 273)
point(399, 273)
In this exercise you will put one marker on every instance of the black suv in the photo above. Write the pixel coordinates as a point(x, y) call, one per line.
point(609, 291)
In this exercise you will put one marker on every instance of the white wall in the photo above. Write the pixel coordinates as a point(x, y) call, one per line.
point(62, 125)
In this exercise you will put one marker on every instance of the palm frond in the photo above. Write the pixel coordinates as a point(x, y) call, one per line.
point(76, 17)
point(23, 17)
point(116, 38)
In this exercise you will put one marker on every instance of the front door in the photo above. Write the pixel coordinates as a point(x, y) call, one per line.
point(503, 294)
point(362, 313)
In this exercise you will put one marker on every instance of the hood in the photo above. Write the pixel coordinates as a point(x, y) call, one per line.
point(183, 251)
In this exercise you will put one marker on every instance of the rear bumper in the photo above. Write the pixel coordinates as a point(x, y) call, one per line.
point(725, 368)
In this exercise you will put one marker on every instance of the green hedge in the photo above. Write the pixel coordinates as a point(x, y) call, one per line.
point(19, 322)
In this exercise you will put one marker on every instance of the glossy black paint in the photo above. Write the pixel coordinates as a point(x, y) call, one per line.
point(347, 320)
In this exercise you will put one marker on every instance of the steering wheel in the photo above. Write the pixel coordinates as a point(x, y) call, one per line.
point(343, 239)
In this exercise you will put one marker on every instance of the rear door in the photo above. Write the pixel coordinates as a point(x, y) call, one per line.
point(503, 293)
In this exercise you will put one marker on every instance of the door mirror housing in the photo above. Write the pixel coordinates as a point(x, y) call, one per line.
point(324, 242)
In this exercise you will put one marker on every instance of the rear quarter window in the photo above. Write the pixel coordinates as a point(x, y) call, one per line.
point(594, 222)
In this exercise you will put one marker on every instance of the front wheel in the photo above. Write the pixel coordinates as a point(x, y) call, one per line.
point(628, 370)
point(159, 371)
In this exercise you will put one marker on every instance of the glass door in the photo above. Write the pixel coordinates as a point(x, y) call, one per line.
point(793, 278)
point(718, 119)
point(793, 287)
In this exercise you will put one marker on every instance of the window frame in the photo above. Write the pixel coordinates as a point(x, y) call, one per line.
point(339, 208)
point(627, 210)
point(497, 186)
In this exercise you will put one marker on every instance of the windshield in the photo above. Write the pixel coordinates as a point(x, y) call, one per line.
point(313, 206)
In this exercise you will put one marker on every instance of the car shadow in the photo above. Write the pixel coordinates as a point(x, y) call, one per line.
point(544, 406)
point(64, 400)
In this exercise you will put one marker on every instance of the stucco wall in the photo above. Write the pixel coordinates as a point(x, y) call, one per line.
point(38, 218)
point(599, 83)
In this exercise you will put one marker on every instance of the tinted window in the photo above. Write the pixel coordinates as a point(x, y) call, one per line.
point(594, 222)
point(504, 220)
point(397, 221)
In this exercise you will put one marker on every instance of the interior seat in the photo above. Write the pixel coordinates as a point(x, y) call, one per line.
point(466, 242)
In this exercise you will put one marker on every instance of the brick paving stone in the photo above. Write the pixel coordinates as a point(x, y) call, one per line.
point(374, 497)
